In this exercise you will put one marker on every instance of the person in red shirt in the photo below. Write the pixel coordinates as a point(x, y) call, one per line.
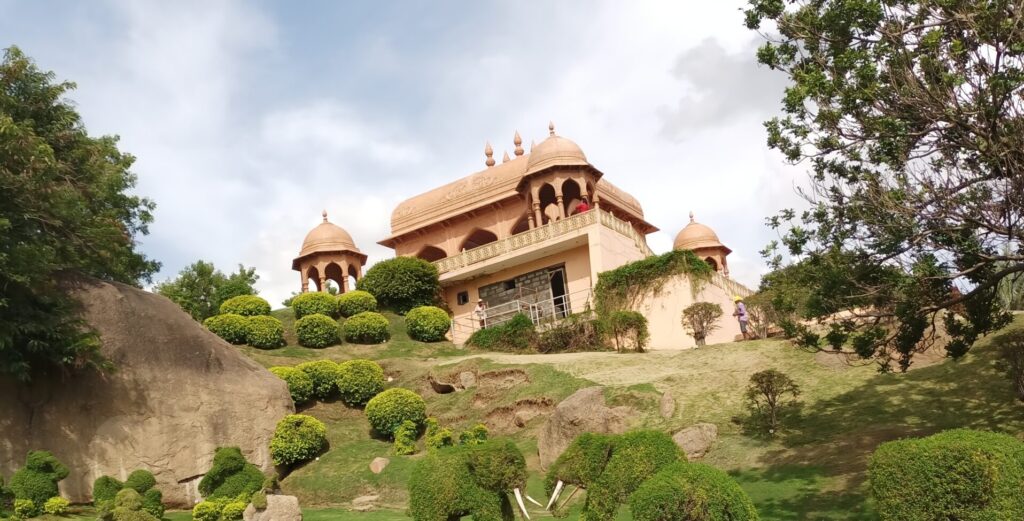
point(583, 206)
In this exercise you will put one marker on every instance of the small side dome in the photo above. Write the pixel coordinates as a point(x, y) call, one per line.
point(327, 236)
point(696, 236)
point(555, 151)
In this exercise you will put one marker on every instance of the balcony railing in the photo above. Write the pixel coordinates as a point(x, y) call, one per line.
point(540, 234)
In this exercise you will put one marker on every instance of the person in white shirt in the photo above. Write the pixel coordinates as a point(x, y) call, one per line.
point(481, 312)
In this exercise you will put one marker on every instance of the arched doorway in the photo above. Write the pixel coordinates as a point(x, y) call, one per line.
point(477, 238)
point(431, 254)
point(312, 274)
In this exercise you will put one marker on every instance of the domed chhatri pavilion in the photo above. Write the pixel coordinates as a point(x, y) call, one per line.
point(329, 253)
point(704, 242)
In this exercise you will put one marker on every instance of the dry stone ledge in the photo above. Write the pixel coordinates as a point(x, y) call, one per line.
point(279, 508)
point(583, 411)
point(697, 440)
point(178, 393)
point(667, 407)
point(365, 503)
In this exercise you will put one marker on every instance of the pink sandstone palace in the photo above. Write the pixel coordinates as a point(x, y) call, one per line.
point(516, 236)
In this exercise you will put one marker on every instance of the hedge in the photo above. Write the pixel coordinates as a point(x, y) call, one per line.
point(315, 302)
point(300, 385)
point(297, 438)
point(958, 474)
point(427, 323)
point(517, 334)
point(56, 506)
point(355, 302)
point(405, 438)
point(324, 374)
point(230, 475)
point(367, 327)
point(105, 488)
point(402, 283)
point(389, 409)
point(317, 331)
point(358, 381)
point(37, 480)
point(245, 305)
point(691, 492)
point(265, 332)
point(140, 481)
point(25, 508)
point(233, 328)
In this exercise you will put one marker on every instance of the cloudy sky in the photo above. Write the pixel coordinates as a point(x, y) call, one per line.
point(249, 118)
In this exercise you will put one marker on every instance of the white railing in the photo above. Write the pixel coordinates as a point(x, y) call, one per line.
point(540, 234)
point(545, 312)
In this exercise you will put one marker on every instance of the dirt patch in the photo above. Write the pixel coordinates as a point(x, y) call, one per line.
point(492, 385)
point(511, 418)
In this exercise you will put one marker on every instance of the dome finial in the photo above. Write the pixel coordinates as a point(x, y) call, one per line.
point(505, 159)
point(551, 128)
point(324, 213)
point(489, 152)
point(691, 216)
point(518, 142)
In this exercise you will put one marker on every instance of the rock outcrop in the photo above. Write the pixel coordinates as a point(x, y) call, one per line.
point(583, 411)
point(177, 393)
point(279, 508)
point(697, 440)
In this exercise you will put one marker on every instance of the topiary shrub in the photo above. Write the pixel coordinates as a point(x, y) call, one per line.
point(355, 302)
point(427, 323)
point(37, 480)
point(958, 474)
point(230, 476)
point(128, 506)
point(245, 305)
point(317, 331)
point(25, 508)
point(297, 438)
point(358, 381)
point(315, 303)
point(265, 332)
point(516, 335)
point(367, 327)
point(627, 330)
point(454, 482)
point(208, 510)
point(259, 500)
point(56, 506)
point(691, 492)
point(402, 283)
point(475, 435)
point(437, 436)
point(389, 409)
point(140, 481)
point(405, 438)
point(153, 502)
point(234, 329)
point(233, 510)
point(324, 374)
point(105, 488)
point(300, 385)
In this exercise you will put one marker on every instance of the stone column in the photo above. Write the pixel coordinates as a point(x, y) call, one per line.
point(561, 206)
point(344, 278)
point(304, 281)
point(323, 283)
point(536, 214)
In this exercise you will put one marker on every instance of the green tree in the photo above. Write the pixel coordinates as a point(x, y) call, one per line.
point(910, 116)
point(699, 320)
point(767, 396)
point(66, 209)
point(200, 288)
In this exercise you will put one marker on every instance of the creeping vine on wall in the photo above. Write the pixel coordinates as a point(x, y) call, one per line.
point(625, 286)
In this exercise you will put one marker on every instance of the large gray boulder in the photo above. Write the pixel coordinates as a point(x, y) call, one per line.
point(279, 508)
point(697, 440)
point(178, 392)
point(583, 411)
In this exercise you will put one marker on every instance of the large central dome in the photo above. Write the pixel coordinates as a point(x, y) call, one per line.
point(555, 151)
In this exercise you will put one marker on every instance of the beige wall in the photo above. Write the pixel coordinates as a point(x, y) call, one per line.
point(611, 250)
point(577, 273)
point(664, 314)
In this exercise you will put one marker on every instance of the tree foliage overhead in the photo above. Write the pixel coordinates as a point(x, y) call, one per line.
point(910, 115)
point(200, 288)
point(66, 208)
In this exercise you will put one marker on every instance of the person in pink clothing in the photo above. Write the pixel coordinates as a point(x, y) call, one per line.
point(741, 314)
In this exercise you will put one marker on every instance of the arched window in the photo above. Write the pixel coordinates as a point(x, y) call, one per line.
point(478, 238)
point(431, 254)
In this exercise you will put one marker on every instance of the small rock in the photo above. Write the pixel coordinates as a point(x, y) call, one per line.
point(279, 508)
point(467, 379)
point(697, 440)
point(378, 464)
point(365, 503)
point(668, 405)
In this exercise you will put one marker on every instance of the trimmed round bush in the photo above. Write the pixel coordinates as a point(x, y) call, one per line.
point(300, 385)
point(233, 510)
point(297, 438)
point(265, 332)
point(246, 305)
point(207, 511)
point(105, 488)
point(691, 492)
point(25, 508)
point(958, 474)
point(317, 331)
point(356, 302)
point(153, 502)
point(56, 506)
point(233, 328)
point(324, 374)
point(427, 323)
point(129, 499)
point(359, 380)
point(315, 302)
point(140, 481)
point(402, 283)
point(230, 475)
point(389, 409)
point(367, 327)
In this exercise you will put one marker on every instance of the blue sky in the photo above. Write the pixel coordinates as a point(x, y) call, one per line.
point(249, 118)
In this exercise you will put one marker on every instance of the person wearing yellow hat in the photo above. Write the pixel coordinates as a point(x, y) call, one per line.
point(741, 314)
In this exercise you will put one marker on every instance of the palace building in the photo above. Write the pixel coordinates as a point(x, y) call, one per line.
point(528, 235)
